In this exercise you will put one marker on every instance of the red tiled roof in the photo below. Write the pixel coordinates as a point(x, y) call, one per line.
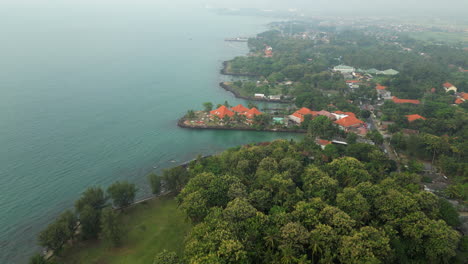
point(306, 111)
point(349, 121)
point(253, 112)
point(353, 81)
point(325, 113)
point(240, 108)
point(323, 142)
point(296, 114)
point(303, 112)
point(222, 111)
point(380, 87)
point(459, 101)
point(404, 101)
point(412, 118)
point(464, 96)
point(447, 85)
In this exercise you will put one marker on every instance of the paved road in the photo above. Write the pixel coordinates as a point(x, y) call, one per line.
point(387, 148)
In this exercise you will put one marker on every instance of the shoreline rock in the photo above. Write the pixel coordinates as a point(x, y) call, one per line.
point(181, 123)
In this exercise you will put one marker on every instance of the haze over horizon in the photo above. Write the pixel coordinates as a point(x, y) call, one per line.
point(430, 8)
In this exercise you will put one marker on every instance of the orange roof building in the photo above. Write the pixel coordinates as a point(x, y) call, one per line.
point(462, 97)
point(404, 101)
point(252, 113)
point(298, 116)
point(323, 143)
point(353, 81)
point(239, 109)
point(349, 121)
point(412, 118)
point(447, 85)
point(221, 112)
point(380, 87)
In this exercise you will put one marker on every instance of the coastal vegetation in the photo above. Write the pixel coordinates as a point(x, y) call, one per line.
point(276, 202)
point(321, 200)
point(282, 203)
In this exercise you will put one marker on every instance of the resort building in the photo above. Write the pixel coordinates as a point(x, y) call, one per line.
point(349, 123)
point(298, 116)
point(240, 109)
point(252, 113)
point(221, 112)
point(326, 113)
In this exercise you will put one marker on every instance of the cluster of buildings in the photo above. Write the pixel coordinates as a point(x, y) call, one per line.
point(346, 121)
point(383, 93)
point(459, 97)
point(224, 111)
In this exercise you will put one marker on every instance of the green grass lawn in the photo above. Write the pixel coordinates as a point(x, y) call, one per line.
point(150, 228)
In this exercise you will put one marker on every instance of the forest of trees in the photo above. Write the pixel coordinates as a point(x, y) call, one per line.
point(288, 202)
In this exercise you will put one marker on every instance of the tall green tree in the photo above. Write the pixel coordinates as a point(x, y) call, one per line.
point(122, 193)
point(110, 226)
point(90, 222)
point(208, 106)
point(93, 196)
point(58, 232)
point(155, 183)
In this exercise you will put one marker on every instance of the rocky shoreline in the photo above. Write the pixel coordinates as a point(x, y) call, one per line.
point(181, 123)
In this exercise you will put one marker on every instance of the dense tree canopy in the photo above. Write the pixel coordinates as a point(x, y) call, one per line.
point(258, 205)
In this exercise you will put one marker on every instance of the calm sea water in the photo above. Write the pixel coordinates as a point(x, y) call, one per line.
point(89, 96)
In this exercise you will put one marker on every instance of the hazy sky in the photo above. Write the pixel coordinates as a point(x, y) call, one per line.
point(431, 8)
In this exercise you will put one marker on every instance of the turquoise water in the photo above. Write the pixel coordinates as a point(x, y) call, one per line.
point(92, 96)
